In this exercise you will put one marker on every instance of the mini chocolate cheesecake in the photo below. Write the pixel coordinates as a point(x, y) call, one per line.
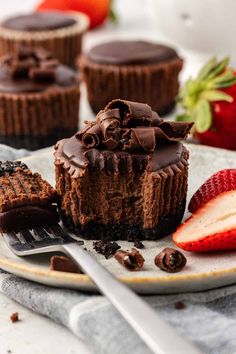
point(39, 99)
point(58, 32)
point(124, 176)
point(133, 70)
point(26, 200)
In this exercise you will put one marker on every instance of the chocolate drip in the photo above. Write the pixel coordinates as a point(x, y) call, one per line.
point(131, 126)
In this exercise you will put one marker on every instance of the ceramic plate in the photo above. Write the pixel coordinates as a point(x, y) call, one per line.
point(203, 271)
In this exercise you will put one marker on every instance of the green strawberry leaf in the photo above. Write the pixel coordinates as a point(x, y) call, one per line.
point(227, 76)
point(225, 84)
point(204, 72)
point(215, 95)
point(183, 118)
point(202, 116)
point(219, 67)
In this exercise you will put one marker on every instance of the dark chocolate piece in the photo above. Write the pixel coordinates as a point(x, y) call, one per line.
point(64, 264)
point(131, 260)
point(14, 317)
point(179, 305)
point(39, 21)
point(170, 260)
point(130, 52)
point(106, 248)
point(33, 70)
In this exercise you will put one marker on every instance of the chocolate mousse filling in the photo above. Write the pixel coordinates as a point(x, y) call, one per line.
point(123, 176)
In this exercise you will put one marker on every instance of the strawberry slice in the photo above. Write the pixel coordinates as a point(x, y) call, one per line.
point(211, 228)
point(220, 182)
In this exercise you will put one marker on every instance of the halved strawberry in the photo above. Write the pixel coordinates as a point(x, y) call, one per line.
point(211, 228)
point(220, 182)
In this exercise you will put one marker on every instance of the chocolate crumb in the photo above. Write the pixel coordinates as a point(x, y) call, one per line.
point(106, 248)
point(170, 260)
point(131, 260)
point(138, 244)
point(64, 264)
point(180, 305)
point(14, 317)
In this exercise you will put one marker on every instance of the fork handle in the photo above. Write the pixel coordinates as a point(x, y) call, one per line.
point(155, 332)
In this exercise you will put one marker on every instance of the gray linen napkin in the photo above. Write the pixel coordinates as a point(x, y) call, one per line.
point(209, 318)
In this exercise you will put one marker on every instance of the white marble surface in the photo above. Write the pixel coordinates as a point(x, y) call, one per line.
point(36, 334)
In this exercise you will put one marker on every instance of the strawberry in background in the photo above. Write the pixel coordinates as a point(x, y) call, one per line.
point(97, 10)
point(210, 102)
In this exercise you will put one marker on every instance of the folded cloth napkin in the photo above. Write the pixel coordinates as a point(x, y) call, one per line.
point(207, 318)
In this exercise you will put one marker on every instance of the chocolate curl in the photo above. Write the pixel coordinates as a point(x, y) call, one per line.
point(132, 113)
point(170, 260)
point(175, 131)
point(90, 135)
point(156, 120)
point(132, 260)
point(109, 122)
point(139, 138)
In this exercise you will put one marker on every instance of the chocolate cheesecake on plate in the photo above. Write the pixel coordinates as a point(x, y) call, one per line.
point(60, 33)
point(134, 70)
point(124, 176)
point(39, 99)
point(26, 200)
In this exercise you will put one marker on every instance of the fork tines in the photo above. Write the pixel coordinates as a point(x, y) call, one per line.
point(35, 238)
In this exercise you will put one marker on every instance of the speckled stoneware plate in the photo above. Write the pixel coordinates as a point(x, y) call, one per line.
point(203, 271)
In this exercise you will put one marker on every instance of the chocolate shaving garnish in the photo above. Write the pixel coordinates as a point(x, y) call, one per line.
point(131, 260)
point(90, 135)
point(42, 74)
point(170, 260)
point(32, 63)
point(106, 248)
point(64, 264)
point(138, 244)
point(132, 113)
point(131, 126)
point(14, 317)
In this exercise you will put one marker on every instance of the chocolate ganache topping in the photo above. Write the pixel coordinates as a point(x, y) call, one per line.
point(33, 70)
point(130, 52)
point(131, 126)
point(39, 21)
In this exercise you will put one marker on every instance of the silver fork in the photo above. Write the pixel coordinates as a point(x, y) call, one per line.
point(156, 333)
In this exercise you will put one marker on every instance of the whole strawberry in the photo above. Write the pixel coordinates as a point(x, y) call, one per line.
point(97, 10)
point(210, 102)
